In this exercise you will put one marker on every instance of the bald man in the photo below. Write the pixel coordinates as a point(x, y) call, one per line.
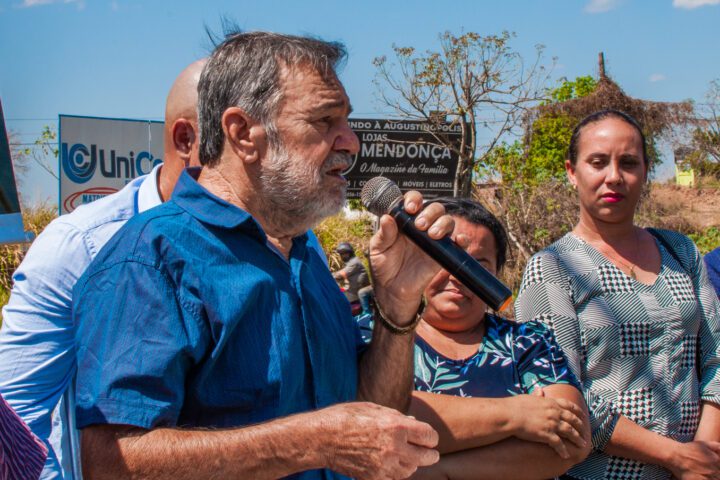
point(37, 340)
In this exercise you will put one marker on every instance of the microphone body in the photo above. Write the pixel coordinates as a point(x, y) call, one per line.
point(444, 251)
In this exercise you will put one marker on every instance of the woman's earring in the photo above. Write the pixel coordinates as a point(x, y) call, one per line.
point(574, 186)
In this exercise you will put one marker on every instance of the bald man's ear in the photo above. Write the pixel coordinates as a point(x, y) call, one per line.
point(184, 137)
point(243, 135)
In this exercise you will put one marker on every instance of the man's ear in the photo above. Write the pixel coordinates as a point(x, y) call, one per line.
point(184, 137)
point(242, 134)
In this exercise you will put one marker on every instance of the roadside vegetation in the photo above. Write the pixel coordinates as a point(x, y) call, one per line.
point(35, 219)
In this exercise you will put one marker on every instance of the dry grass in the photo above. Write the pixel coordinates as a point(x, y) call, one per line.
point(338, 229)
point(35, 220)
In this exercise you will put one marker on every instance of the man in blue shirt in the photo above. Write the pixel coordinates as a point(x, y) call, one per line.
point(37, 351)
point(37, 340)
point(212, 342)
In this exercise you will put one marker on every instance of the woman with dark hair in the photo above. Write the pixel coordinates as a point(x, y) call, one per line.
point(634, 312)
point(499, 393)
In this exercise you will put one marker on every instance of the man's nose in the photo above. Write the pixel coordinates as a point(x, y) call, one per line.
point(347, 141)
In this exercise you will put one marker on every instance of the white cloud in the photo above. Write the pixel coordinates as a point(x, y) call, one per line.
point(601, 6)
point(690, 4)
point(36, 3)
point(657, 77)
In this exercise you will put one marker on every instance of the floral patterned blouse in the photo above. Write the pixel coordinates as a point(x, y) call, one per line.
point(512, 359)
point(648, 352)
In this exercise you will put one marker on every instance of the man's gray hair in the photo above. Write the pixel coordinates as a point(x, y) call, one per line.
point(244, 71)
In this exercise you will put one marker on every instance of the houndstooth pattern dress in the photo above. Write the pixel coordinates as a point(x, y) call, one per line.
point(648, 352)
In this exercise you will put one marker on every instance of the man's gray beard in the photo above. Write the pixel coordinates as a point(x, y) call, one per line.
point(293, 194)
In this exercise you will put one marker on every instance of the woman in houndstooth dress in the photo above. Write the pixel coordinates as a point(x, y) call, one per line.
point(635, 314)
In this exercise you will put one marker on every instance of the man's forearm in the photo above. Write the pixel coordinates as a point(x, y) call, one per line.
point(266, 451)
point(386, 369)
point(356, 439)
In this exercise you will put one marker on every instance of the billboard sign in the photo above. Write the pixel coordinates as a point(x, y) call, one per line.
point(407, 152)
point(98, 156)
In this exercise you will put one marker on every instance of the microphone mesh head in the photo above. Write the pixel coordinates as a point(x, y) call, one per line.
point(379, 194)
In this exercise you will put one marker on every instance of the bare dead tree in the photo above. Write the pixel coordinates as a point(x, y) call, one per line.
point(706, 134)
point(20, 156)
point(477, 82)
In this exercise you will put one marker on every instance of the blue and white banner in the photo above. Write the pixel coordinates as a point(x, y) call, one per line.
point(98, 156)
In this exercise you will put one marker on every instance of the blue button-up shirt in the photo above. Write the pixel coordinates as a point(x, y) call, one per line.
point(189, 317)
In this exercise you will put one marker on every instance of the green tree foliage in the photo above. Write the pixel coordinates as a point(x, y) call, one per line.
point(706, 240)
point(541, 157)
point(572, 89)
point(533, 198)
point(478, 82)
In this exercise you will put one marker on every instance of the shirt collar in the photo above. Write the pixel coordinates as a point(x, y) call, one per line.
point(148, 195)
point(207, 208)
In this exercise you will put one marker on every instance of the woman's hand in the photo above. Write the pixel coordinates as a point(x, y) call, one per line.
point(697, 460)
point(553, 421)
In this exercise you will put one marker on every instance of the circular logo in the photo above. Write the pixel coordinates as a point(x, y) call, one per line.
point(78, 164)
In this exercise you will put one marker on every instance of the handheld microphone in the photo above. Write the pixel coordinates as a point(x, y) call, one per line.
point(381, 195)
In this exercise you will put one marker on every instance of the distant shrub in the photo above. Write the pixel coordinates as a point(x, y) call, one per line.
point(706, 240)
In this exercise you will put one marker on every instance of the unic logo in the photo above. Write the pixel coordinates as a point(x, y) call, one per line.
point(79, 163)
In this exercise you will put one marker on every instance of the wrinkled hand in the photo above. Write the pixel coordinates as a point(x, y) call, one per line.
point(553, 421)
point(697, 460)
point(400, 270)
point(371, 442)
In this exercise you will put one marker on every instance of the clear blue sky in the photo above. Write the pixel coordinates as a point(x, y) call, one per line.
point(117, 58)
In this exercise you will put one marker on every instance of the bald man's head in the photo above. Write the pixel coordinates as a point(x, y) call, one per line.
point(182, 98)
point(182, 139)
